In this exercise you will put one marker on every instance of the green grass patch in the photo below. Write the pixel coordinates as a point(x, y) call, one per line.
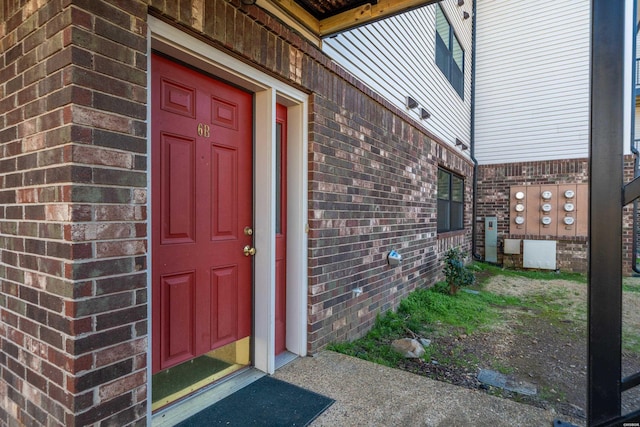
point(494, 270)
point(434, 313)
point(631, 341)
point(550, 394)
point(369, 349)
point(463, 310)
point(551, 305)
point(502, 368)
point(428, 312)
point(631, 288)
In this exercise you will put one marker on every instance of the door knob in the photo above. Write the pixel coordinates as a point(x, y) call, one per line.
point(249, 251)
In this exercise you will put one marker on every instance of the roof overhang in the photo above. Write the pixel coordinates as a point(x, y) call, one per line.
point(328, 17)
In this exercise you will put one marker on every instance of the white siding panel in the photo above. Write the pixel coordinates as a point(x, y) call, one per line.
point(396, 58)
point(637, 124)
point(532, 80)
point(636, 119)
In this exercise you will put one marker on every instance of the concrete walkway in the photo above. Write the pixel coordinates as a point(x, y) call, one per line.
point(368, 394)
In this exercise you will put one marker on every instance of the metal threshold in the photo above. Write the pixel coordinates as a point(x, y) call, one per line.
point(180, 411)
point(284, 358)
point(200, 400)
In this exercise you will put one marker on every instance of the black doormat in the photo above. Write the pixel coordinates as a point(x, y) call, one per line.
point(265, 402)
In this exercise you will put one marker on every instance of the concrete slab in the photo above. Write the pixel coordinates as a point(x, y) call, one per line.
point(368, 394)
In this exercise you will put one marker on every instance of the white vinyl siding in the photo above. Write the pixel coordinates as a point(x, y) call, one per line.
point(396, 58)
point(636, 121)
point(636, 135)
point(532, 80)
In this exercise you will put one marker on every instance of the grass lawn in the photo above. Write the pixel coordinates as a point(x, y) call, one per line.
point(531, 324)
point(429, 312)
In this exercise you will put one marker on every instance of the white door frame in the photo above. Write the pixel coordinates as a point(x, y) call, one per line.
point(268, 91)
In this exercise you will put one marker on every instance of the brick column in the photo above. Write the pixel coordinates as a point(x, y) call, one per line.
point(73, 300)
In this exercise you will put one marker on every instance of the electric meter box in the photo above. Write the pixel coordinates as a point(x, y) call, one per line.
point(491, 239)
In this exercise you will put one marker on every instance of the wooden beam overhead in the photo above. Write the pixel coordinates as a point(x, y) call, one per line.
point(367, 13)
point(348, 19)
point(300, 14)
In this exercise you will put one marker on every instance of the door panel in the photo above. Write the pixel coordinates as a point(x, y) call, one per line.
point(224, 327)
point(178, 301)
point(177, 189)
point(281, 307)
point(224, 113)
point(281, 230)
point(202, 192)
point(224, 203)
point(177, 98)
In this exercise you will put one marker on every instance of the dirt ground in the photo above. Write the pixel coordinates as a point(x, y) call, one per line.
point(549, 352)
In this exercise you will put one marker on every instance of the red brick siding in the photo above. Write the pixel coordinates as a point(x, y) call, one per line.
point(72, 212)
point(73, 216)
point(372, 174)
point(370, 191)
point(627, 223)
point(494, 182)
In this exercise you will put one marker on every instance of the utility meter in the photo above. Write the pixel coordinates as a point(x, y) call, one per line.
point(546, 195)
point(569, 194)
point(546, 220)
point(519, 207)
point(546, 207)
point(519, 220)
point(519, 195)
point(569, 220)
point(568, 207)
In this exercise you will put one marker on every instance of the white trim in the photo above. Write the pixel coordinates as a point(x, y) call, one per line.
point(268, 90)
point(297, 229)
point(149, 234)
point(265, 231)
point(179, 45)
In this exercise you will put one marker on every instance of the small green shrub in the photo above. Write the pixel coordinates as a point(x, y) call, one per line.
point(441, 288)
point(456, 272)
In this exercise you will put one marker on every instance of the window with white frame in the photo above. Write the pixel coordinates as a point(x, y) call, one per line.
point(450, 201)
point(449, 53)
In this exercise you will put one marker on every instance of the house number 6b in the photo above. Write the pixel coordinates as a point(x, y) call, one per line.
point(204, 130)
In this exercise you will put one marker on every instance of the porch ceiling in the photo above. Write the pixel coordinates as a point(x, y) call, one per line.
point(327, 17)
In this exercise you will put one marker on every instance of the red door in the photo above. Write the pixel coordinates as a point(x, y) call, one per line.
point(281, 229)
point(201, 194)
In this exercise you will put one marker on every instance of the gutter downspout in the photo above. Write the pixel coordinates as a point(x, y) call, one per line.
point(472, 144)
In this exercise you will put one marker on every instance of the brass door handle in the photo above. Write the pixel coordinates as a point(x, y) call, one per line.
point(249, 251)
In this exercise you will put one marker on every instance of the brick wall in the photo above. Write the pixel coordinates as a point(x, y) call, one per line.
point(372, 173)
point(73, 218)
point(627, 223)
point(73, 327)
point(371, 191)
point(494, 182)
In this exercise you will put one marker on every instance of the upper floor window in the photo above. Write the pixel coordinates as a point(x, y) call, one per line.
point(449, 53)
point(450, 201)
